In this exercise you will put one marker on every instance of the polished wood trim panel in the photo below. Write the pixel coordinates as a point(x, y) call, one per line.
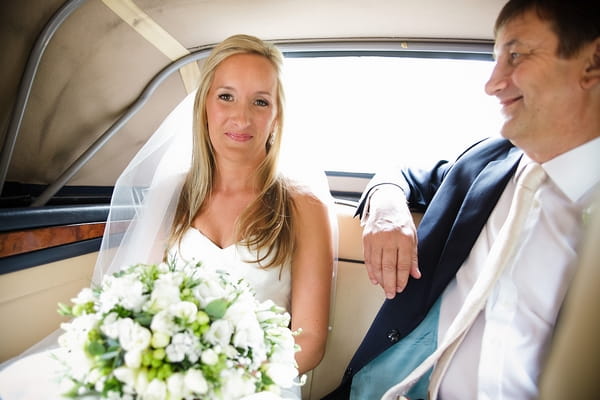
point(19, 242)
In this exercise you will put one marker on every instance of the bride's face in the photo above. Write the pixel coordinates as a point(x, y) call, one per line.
point(241, 107)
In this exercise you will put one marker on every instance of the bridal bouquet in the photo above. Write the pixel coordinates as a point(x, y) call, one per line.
point(172, 331)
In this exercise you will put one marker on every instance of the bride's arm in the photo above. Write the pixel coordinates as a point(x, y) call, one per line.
point(311, 279)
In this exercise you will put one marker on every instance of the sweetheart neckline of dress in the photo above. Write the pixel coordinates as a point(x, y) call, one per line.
point(209, 240)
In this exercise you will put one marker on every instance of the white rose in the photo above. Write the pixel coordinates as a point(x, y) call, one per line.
point(156, 390)
point(209, 290)
point(194, 382)
point(219, 333)
point(110, 325)
point(93, 376)
point(163, 322)
point(185, 310)
point(235, 384)
point(132, 297)
point(132, 335)
point(209, 357)
point(175, 386)
point(160, 340)
point(125, 375)
point(141, 381)
point(133, 358)
point(165, 292)
point(85, 296)
point(76, 331)
point(282, 374)
point(248, 332)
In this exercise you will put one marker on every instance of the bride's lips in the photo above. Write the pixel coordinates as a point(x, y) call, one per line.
point(238, 137)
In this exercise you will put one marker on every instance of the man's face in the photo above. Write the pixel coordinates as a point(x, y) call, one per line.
point(539, 91)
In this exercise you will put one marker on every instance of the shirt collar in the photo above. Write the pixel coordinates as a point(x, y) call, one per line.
point(576, 171)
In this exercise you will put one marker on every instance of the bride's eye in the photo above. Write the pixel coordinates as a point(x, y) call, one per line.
point(261, 103)
point(225, 97)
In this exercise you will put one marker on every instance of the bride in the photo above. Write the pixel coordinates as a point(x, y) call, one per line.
point(230, 204)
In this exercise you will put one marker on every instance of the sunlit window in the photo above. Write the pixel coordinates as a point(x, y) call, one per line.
point(355, 114)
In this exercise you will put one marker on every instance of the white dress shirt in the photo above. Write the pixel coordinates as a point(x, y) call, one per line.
point(501, 355)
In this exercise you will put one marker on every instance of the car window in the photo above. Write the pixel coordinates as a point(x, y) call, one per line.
point(358, 114)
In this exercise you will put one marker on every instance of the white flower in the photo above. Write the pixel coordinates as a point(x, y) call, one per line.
point(185, 310)
point(248, 332)
point(156, 390)
point(160, 340)
point(209, 357)
point(175, 386)
point(283, 374)
point(165, 292)
point(162, 322)
point(93, 376)
point(132, 335)
point(76, 331)
point(209, 290)
point(235, 384)
point(133, 358)
point(126, 290)
point(125, 375)
point(194, 382)
point(219, 333)
point(141, 381)
point(110, 325)
point(269, 312)
point(86, 295)
point(182, 345)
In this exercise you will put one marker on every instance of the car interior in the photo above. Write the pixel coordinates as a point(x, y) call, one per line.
point(85, 83)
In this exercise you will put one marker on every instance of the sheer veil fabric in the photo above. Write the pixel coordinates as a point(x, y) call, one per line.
point(145, 198)
point(146, 194)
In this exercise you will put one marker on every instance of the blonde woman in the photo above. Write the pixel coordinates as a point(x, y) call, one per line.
point(235, 206)
point(212, 191)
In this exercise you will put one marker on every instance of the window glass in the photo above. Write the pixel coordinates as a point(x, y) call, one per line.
point(355, 114)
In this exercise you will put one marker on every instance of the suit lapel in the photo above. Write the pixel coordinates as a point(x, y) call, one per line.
point(477, 206)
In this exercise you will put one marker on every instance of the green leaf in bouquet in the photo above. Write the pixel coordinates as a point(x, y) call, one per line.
point(95, 348)
point(65, 310)
point(143, 318)
point(216, 309)
point(112, 384)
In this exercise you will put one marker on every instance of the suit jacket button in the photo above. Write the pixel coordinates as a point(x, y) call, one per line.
point(393, 335)
point(348, 371)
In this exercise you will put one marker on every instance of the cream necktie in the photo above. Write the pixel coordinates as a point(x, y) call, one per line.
point(501, 254)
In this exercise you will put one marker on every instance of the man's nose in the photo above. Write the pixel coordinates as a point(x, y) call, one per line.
point(498, 80)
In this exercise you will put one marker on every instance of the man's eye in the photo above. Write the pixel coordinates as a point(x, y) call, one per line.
point(514, 55)
point(261, 103)
point(225, 97)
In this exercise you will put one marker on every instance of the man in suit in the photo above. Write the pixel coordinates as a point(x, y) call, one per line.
point(547, 79)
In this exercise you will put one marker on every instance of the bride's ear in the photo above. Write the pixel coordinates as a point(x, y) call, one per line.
point(591, 75)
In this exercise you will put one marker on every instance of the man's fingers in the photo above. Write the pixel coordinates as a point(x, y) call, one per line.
point(415, 272)
point(389, 262)
point(373, 267)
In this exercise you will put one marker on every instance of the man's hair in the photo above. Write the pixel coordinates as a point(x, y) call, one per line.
point(575, 22)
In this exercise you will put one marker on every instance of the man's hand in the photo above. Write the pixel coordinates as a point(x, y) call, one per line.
point(390, 241)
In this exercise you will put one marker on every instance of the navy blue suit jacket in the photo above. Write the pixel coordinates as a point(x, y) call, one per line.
point(458, 199)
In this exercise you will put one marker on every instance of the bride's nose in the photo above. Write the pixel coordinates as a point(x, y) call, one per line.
point(241, 115)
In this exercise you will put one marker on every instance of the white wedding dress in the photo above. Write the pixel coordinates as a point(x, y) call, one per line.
point(35, 378)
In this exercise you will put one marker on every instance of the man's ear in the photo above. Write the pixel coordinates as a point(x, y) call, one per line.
point(591, 75)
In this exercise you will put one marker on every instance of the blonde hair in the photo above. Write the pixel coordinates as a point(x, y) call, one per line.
point(267, 222)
